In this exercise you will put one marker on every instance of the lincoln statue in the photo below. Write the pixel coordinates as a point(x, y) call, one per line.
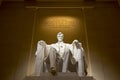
point(59, 57)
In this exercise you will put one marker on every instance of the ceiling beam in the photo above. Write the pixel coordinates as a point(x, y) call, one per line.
point(89, 0)
point(30, 0)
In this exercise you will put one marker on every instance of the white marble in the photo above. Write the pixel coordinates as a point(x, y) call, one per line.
point(62, 51)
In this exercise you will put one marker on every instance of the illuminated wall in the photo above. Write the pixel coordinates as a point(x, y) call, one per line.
point(103, 35)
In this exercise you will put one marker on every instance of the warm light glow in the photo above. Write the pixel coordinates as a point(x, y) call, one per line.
point(65, 24)
point(60, 22)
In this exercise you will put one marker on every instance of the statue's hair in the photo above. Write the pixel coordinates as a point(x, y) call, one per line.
point(60, 33)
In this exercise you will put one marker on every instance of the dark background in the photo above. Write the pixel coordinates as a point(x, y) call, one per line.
point(16, 44)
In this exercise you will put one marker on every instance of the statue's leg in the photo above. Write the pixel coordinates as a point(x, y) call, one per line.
point(52, 59)
point(66, 59)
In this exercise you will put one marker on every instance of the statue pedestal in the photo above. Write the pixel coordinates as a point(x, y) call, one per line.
point(59, 76)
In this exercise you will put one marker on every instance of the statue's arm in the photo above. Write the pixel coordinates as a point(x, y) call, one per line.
point(78, 46)
point(40, 45)
point(77, 49)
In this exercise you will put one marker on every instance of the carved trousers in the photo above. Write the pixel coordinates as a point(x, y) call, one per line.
point(56, 61)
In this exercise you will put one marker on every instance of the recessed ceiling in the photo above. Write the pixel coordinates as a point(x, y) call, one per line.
point(59, 0)
point(12, 0)
point(49, 0)
point(106, 0)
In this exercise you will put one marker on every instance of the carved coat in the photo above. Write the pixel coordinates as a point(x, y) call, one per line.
point(42, 53)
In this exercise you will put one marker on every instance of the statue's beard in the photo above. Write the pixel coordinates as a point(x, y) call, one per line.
point(60, 40)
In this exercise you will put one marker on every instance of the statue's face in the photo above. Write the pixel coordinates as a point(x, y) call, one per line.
point(60, 37)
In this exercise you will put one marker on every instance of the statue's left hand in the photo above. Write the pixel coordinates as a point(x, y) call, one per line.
point(77, 43)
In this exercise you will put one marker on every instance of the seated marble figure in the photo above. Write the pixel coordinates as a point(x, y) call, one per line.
point(59, 57)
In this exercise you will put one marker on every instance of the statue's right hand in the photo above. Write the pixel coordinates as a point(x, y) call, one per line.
point(42, 43)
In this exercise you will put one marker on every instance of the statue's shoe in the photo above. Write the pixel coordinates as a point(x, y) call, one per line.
point(53, 71)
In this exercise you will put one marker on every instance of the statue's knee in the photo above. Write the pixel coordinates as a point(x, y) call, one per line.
point(67, 50)
point(53, 49)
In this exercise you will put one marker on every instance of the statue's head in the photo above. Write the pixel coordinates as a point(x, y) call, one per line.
point(60, 36)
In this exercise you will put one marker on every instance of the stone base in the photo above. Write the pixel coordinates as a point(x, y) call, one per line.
point(59, 76)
